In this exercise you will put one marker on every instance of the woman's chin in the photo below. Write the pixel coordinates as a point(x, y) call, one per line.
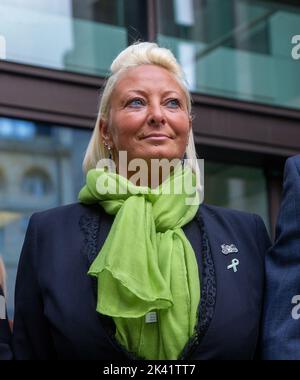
point(158, 154)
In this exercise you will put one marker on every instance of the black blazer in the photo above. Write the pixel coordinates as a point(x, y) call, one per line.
point(55, 299)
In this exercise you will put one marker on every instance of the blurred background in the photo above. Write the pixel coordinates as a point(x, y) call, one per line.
point(55, 54)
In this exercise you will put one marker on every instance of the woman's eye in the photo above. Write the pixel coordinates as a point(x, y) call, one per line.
point(136, 102)
point(173, 103)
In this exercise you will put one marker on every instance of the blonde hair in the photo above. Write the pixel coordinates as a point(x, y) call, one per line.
point(143, 53)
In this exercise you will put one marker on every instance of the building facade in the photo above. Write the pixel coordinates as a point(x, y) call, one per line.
point(54, 56)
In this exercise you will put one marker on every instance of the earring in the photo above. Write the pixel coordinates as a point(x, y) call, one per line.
point(109, 153)
point(109, 150)
point(183, 159)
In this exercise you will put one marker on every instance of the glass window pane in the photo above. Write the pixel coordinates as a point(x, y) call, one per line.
point(73, 35)
point(38, 170)
point(235, 48)
point(238, 187)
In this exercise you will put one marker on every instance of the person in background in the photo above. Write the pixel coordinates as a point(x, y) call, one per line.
point(5, 332)
point(281, 321)
point(137, 269)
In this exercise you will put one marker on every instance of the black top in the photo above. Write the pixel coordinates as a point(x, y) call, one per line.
point(55, 300)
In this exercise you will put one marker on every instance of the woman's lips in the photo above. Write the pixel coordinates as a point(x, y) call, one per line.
point(156, 137)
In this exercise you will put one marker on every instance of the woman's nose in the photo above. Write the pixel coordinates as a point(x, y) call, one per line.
point(156, 115)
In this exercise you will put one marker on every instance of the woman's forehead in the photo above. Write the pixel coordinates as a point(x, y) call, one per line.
point(148, 78)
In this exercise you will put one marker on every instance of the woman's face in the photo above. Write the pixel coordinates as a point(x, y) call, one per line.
point(148, 115)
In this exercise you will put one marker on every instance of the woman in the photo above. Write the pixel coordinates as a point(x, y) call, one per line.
point(141, 271)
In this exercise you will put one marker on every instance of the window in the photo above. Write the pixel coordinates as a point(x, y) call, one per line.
point(235, 48)
point(42, 172)
point(236, 186)
point(72, 35)
point(16, 129)
point(36, 182)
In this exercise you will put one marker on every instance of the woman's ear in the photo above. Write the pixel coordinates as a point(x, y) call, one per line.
point(105, 135)
point(102, 128)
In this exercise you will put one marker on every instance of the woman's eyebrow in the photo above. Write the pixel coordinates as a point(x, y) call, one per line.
point(145, 93)
point(171, 92)
point(142, 92)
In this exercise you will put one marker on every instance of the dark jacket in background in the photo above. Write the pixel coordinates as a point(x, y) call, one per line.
point(281, 323)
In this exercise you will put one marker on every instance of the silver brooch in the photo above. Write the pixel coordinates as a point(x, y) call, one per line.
point(226, 249)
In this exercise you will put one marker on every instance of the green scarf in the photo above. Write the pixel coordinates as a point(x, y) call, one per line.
point(146, 263)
